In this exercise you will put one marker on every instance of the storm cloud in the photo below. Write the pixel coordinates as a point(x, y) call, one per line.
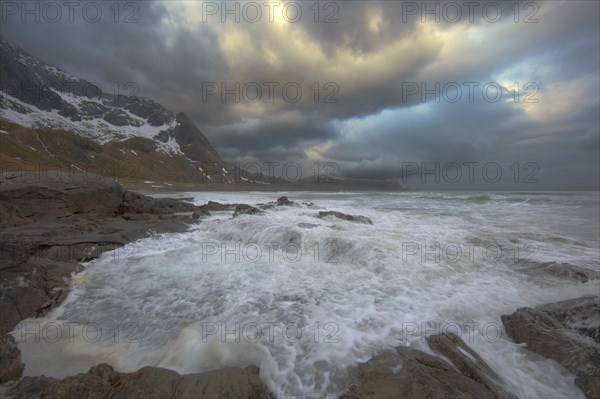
point(375, 87)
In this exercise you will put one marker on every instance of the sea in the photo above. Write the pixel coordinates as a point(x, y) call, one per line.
point(308, 298)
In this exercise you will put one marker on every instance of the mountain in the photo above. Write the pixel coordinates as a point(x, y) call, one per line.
point(55, 117)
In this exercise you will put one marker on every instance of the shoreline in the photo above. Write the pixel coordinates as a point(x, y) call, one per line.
point(53, 226)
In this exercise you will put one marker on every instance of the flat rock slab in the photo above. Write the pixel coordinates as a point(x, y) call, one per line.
point(343, 216)
point(412, 374)
point(102, 381)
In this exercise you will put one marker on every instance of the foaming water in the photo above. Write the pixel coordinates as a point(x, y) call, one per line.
point(306, 299)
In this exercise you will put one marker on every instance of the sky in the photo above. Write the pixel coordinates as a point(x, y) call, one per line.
point(449, 95)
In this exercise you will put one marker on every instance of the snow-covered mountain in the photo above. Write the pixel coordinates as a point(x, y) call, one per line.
point(36, 95)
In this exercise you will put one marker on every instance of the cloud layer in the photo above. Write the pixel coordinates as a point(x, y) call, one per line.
point(367, 85)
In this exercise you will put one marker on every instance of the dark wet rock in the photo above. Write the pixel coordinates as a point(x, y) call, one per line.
point(11, 215)
point(32, 289)
point(560, 270)
point(136, 203)
point(546, 331)
point(590, 386)
point(37, 197)
point(243, 209)
point(343, 216)
point(409, 373)
point(581, 315)
point(11, 367)
point(102, 381)
point(281, 201)
point(284, 201)
point(547, 337)
point(216, 206)
point(468, 362)
point(139, 216)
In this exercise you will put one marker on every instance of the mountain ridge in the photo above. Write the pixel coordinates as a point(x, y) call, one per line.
point(35, 94)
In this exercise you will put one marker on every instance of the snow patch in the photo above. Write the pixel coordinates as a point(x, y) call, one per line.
point(96, 129)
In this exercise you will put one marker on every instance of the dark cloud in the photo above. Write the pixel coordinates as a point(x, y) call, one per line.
point(272, 138)
point(368, 57)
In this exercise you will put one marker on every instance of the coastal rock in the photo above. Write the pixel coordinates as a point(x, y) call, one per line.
point(284, 201)
point(136, 203)
point(547, 337)
point(29, 197)
point(60, 220)
point(11, 367)
point(350, 218)
point(281, 201)
point(409, 373)
point(40, 197)
point(560, 270)
point(581, 315)
point(468, 362)
point(216, 206)
point(102, 381)
point(590, 386)
point(243, 209)
point(10, 215)
point(546, 331)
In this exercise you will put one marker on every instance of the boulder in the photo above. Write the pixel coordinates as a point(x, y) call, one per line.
point(343, 216)
point(284, 201)
point(243, 209)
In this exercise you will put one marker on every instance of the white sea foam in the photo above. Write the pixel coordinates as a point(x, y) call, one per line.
point(326, 293)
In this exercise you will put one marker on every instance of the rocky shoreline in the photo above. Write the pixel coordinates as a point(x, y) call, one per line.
point(552, 331)
point(48, 227)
